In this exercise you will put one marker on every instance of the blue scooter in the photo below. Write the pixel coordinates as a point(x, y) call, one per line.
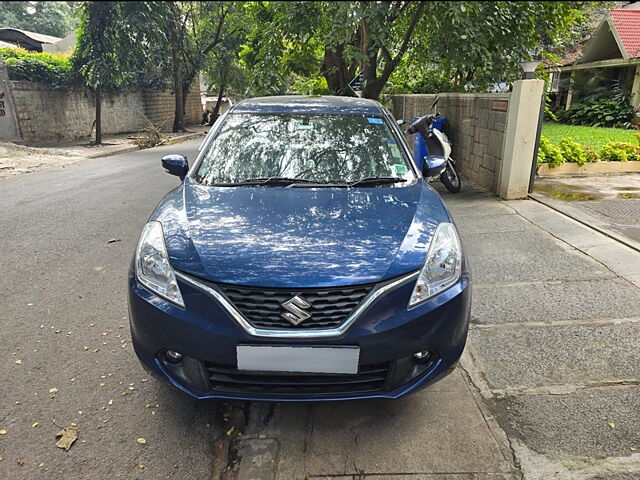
point(431, 140)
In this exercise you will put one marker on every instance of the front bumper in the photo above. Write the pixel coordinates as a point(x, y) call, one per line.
point(387, 333)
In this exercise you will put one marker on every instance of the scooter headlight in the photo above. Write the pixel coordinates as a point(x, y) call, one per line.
point(443, 266)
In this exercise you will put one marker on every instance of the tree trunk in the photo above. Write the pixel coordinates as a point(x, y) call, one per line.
point(216, 109)
point(178, 120)
point(185, 95)
point(98, 115)
point(335, 71)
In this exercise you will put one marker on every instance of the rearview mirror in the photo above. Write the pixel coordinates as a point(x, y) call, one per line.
point(433, 165)
point(176, 165)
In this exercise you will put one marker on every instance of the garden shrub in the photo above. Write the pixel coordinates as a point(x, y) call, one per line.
point(590, 154)
point(607, 107)
point(50, 69)
point(620, 152)
point(573, 151)
point(549, 153)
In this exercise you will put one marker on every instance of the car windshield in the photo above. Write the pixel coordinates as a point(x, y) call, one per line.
point(331, 149)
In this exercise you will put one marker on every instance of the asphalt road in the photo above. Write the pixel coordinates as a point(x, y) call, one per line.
point(64, 326)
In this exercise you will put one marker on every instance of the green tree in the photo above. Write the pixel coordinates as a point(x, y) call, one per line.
point(49, 18)
point(477, 44)
point(195, 30)
point(113, 45)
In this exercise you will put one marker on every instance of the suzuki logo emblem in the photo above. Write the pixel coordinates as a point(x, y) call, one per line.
point(296, 310)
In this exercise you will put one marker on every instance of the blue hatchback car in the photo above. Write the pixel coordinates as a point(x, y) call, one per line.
point(303, 257)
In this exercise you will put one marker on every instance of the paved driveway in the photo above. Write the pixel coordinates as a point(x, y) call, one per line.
point(548, 384)
point(63, 325)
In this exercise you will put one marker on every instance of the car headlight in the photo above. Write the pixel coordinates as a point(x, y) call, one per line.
point(152, 264)
point(443, 266)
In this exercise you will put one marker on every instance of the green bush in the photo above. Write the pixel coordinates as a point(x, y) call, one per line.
point(606, 107)
point(620, 152)
point(573, 151)
point(549, 153)
point(50, 69)
point(590, 154)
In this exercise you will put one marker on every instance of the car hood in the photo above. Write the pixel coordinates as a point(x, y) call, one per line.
point(299, 237)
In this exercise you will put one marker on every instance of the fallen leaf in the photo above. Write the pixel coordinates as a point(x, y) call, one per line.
point(110, 402)
point(113, 240)
point(67, 435)
point(34, 425)
point(41, 465)
point(18, 362)
point(53, 390)
point(3, 432)
point(632, 449)
point(141, 441)
point(230, 431)
point(612, 425)
point(20, 462)
point(102, 384)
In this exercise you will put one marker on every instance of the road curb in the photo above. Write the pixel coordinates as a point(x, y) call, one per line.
point(133, 148)
point(585, 220)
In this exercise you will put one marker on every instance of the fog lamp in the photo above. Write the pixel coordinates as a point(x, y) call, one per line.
point(422, 357)
point(173, 356)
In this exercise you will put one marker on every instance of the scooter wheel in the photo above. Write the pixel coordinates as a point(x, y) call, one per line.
point(450, 178)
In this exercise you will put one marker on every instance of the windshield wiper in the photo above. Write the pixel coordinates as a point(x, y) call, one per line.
point(266, 181)
point(376, 181)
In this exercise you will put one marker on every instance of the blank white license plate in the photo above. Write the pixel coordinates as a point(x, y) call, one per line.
point(298, 359)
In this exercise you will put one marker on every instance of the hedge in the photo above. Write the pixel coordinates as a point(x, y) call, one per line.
point(52, 69)
point(569, 150)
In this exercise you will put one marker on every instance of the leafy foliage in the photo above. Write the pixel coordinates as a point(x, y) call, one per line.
point(51, 69)
point(620, 152)
point(49, 18)
point(572, 151)
point(606, 107)
point(549, 153)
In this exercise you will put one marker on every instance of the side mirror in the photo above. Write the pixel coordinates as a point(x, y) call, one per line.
point(433, 165)
point(176, 165)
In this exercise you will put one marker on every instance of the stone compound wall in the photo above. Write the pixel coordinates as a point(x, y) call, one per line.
point(46, 116)
point(477, 126)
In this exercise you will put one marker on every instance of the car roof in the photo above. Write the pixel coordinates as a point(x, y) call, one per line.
point(309, 104)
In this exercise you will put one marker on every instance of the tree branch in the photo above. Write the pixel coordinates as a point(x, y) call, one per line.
point(407, 36)
point(217, 36)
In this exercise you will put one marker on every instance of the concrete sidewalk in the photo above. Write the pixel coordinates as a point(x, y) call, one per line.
point(548, 387)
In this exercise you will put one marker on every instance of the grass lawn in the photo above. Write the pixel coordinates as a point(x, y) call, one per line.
point(592, 136)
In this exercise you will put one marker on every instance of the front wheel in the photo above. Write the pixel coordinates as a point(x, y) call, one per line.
point(450, 178)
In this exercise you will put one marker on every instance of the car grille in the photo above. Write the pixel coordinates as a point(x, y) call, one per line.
point(329, 308)
point(369, 379)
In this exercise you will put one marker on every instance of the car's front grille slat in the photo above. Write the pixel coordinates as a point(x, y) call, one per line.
point(262, 308)
point(227, 379)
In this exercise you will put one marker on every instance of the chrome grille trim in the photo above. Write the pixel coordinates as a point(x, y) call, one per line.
point(328, 333)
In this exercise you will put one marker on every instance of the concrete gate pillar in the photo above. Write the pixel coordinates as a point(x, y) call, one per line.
point(520, 138)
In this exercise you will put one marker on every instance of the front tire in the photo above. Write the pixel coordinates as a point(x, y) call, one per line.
point(450, 178)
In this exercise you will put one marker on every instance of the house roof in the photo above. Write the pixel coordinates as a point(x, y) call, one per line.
point(615, 41)
point(28, 40)
point(627, 25)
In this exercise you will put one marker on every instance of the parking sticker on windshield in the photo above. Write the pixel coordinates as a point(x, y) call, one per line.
point(400, 168)
point(377, 121)
point(395, 151)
